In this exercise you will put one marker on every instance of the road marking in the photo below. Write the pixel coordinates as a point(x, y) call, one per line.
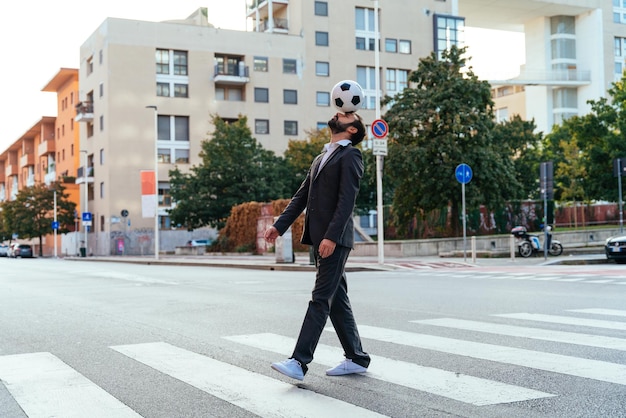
point(571, 280)
point(259, 394)
point(534, 333)
point(44, 386)
point(460, 387)
point(573, 366)
point(610, 312)
point(131, 277)
point(600, 281)
point(567, 320)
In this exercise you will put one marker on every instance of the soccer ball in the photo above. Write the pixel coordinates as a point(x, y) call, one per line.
point(347, 96)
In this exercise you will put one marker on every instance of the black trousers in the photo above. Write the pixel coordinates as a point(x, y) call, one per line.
point(330, 298)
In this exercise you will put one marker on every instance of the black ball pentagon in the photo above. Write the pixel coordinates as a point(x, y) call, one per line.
point(345, 87)
point(338, 102)
point(356, 100)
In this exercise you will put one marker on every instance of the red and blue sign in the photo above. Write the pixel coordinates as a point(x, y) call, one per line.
point(380, 129)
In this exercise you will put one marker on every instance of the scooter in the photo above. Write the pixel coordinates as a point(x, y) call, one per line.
point(529, 244)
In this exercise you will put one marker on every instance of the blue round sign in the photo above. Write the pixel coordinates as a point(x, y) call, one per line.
point(463, 173)
point(380, 128)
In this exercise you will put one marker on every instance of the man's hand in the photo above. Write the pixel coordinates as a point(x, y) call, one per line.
point(271, 234)
point(327, 248)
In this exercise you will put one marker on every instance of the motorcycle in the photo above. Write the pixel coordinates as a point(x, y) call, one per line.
point(529, 244)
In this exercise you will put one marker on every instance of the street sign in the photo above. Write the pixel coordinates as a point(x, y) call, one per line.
point(55, 225)
point(380, 147)
point(463, 173)
point(380, 129)
point(87, 218)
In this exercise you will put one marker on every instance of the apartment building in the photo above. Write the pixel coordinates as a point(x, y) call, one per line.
point(148, 90)
point(575, 49)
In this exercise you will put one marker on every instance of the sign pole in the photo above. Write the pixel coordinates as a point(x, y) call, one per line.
point(379, 158)
point(55, 223)
point(619, 186)
point(463, 174)
point(464, 224)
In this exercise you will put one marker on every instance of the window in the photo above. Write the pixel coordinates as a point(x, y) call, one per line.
point(101, 89)
point(619, 57)
point(404, 46)
point(89, 65)
point(322, 68)
point(291, 127)
point(366, 35)
point(101, 155)
point(171, 69)
point(321, 38)
point(321, 125)
point(290, 96)
point(164, 196)
point(181, 90)
point(260, 64)
point(102, 190)
point(449, 31)
point(261, 95)
point(101, 57)
point(101, 121)
point(173, 138)
point(163, 89)
point(180, 62)
point(181, 156)
point(289, 66)
point(391, 45)
point(261, 126)
point(229, 93)
point(396, 80)
point(502, 114)
point(366, 77)
point(321, 8)
point(323, 98)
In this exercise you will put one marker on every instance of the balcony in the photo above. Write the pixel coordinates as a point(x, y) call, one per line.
point(11, 170)
point(556, 78)
point(30, 180)
point(84, 112)
point(277, 26)
point(46, 147)
point(235, 75)
point(50, 177)
point(80, 175)
point(27, 160)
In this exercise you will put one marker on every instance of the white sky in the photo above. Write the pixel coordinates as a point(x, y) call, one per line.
point(38, 37)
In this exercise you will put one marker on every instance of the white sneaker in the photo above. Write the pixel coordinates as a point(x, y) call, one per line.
point(290, 367)
point(345, 367)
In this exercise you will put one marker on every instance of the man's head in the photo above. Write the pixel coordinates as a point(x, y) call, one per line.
point(347, 126)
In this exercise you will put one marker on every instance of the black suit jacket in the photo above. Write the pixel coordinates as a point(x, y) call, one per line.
point(329, 198)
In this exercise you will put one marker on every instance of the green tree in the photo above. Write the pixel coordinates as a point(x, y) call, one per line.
point(31, 214)
point(517, 138)
point(444, 119)
point(234, 169)
point(300, 154)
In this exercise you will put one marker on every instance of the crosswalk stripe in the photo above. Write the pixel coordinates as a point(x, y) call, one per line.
point(567, 320)
point(573, 366)
point(44, 386)
point(524, 332)
point(597, 311)
point(468, 389)
point(254, 392)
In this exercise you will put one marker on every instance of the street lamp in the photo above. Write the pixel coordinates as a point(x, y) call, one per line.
point(156, 182)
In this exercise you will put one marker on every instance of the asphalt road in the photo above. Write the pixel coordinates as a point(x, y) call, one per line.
point(84, 339)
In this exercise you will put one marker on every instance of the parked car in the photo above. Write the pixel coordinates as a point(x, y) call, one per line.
point(22, 251)
point(615, 249)
point(4, 250)
point(198, 243)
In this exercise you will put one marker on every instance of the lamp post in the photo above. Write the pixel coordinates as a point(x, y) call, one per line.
point(380, 226)
point(85, 210)
point(55, 222)
point(156, 182)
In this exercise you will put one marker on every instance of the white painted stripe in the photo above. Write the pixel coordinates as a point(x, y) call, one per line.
point(571, 280)
point(591, 369)
point(597, 311)
point(544, 278)
point(460, 387)
point(44, 386)
point(251, 391)
point(600, 281)
point(567, 320)
point(534, 333)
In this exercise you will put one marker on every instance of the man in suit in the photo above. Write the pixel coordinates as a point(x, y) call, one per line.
point(329, 194)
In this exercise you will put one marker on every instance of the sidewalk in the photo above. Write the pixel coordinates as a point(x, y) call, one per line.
point(302, 263)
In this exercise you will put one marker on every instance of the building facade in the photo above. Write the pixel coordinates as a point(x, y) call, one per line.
point(575, 49)
point(148, 91)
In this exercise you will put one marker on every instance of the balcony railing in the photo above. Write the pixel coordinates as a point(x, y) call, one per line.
point(80, 175)
point(530, 77)
point(234, 75)
point(84, 112)
point(280, 25)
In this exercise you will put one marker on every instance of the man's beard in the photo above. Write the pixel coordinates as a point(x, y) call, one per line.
point(336, 127)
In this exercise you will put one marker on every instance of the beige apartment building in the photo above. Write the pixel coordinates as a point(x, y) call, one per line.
point(142, 82)
point(575, 49)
